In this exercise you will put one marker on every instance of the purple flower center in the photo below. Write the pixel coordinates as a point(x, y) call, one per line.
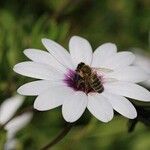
point(75, 81)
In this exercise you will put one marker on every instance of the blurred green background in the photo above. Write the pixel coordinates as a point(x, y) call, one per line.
point(22, 25)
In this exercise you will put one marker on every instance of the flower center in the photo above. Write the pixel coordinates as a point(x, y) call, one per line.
point(85, 79)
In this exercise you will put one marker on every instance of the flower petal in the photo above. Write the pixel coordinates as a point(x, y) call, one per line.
point(58, 52)
point(129, 73)
point(121, 105)
point(36, 87)
point(10, 144)
point(103, 53)
point(100, 107)
point(17, 124)
point(9, 107)
point(80, 50)
point(52, 98)
point(128, 89)
point(119, 60)
point(74, 106)
point(43, 57)
point(142, 61)
point(39, 71)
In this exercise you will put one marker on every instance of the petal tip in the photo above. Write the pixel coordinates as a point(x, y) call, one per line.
point(15, 68)
point(110, 43)
point(107, 120)
point(19, 91)
point(44, 40)
point(68, 119)
point(26, 51)
point(36, 106)
point(132, 115)
point(77, 38)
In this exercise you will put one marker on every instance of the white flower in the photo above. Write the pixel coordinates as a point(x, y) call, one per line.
point(7, 110)
point(59, 85)
point(10, 144)
point(9, 107)
point(143, 61)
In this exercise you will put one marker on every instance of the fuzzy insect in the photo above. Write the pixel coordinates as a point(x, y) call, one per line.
point(88, 79)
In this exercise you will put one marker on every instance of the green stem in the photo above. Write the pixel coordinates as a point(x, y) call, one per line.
point(59, 137)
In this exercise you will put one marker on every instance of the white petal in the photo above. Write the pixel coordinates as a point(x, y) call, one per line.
point(36, 87)
point(121, 105)
point(74, 106)
point(39, 71)
point(119, 60)
point(52, 98)
point(58, 52)
point(99, 106)
point(103, 53)
point(128, 89)
point(43, 57)
point(143, 62)
point(80, 50)
point(129, 73)
point(17, 124)
point(10, 144)
point(9, 107)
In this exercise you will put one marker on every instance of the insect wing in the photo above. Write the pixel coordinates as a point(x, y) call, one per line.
point(100, 70)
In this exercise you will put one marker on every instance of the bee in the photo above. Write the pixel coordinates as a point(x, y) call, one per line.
point(88, 79)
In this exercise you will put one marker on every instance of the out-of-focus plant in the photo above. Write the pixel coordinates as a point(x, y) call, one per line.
point(11, 122)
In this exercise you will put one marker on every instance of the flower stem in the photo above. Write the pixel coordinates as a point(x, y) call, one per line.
point(86, 130)
point(59, 137)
